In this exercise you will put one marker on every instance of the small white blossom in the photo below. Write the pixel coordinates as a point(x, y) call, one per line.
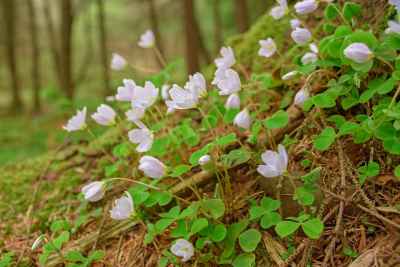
point(227, 81)
point(301, 35)
point(38, 242)
point(197, 85)
point(301, 97)
point(227, 58)
point(144, 97)
point(181, 98)
point(268, 48)
point(143, 137)
point(125, 92)
point(152, 167)
point(183, 248)
point(164, 91)
point(147, 39)
point(233, 102)
point(94, 191)
point(314, 48)
point(135, 114)
point(280, 10)
point(203, 160)
point(77, 122)
point(104, 115)
point(358, 52)
point(117, 62)
point(110, 98)
point(275, 163)
point(309, 58)
point(123, 208)
point(396, 4)
point(394, 27)
point(290, 75)
point(306, 7)
point(295, 23)
point(243, 119)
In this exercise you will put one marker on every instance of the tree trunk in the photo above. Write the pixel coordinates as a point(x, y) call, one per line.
point(10, 20)
point(217, 25)
point(156, 29)
point(35, 71)
point(202, 46)
point(103, 46)
point(191, 34)
point(52, 40)
point(241, 15)
point(66, 48)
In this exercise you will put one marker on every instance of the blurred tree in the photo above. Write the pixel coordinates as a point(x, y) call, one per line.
point(191, 35)
point(67, 20)
point(103, 46)
point(35, 70)
point(156, 29)
point(10, 20)
point(241, 15)
point(217, 25)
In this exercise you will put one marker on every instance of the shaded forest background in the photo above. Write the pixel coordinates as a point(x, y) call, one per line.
point(55, 55)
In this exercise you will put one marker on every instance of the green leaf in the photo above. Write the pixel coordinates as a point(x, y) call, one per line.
point(194, 158)
point(325, 139)
point(190, 211)
point(304, 196)
point(270, 219)
point(324, 100)
point(249, 239)
point(244, 260)
point(181, 230)
point(370, 170)
point(122, 150)
point(180, 170)
point(233, 233)
point(313, 228)
point(270, 204)
point(331, 11)
point(387, 86)
point(397, 171)
point(163, 224)
point(218, 233)
point(61, 239)
point(215, 207)
point(198, 225)
point(226, 140)
point(256, 212)
point(97, 255)
point(163, 262)
point(278, 120)
point(209, 122)
point(348, 128)
point(236, 157)
point(286, 228)
point(75, 256)
point(312, 176)
point(351, 10)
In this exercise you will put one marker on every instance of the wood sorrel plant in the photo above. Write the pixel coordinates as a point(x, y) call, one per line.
point(345, 59)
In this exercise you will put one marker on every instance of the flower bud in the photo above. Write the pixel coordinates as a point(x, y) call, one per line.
point(306, 7)
point(123, 208)
point(301, 35)
point(184, 249)
point(94, 191)
point(77, 122)
point(268, 48)
point(394, 27)
point(295, 23)
point(301, 96)
point(243, 119)
point(358, 52)
point(309, 58)
point(104, 115)
point(117, 62)
point(203, 160)
point(233, 102)
point(290, 75)
point(152, 167)
point(147, 39)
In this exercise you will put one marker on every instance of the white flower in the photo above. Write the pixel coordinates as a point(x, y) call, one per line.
point(123, 207)
point(147, 39)
point(38, 242)
point(144, 97)
point(306, 7)
point(77, 122)
point(301, 96)
point(94, 191)
point(144, 137)
point(117, 62)
point(308, 58)
point(183, 248)
point(314, 48)
point(268, 48)
point(394, 27)
point(301, 35)
point(243, 119)
point(110, 98)
point(181, 98)
point(395, 3)
point(125, 93)
point(290, 75)
point(203, 160)
point(152, 167)
point(164, 91)
point(279, 11)
point(227, 81)
point(227, 60)
point(358, 52)
point(104, 115)
point(275, 162)
point(295, 23)
point(197, 85)
point(135, 114)
point(233, 102)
